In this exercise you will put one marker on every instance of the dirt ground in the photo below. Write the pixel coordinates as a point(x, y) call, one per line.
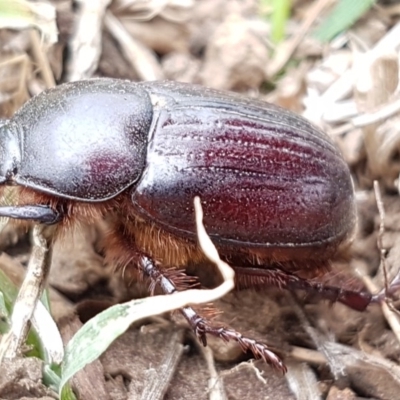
point(348, 87)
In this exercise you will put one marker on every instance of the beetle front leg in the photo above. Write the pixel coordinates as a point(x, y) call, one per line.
point(202, 327)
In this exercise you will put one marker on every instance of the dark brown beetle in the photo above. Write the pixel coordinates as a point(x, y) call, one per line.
point(277, 195)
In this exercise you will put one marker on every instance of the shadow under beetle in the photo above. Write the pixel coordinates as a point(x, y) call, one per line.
point(277, 195)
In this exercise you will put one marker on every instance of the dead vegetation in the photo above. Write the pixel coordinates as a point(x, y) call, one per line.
point(349, 87)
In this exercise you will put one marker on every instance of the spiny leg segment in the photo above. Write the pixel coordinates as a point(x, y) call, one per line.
point(202, 327)
point(356, 299)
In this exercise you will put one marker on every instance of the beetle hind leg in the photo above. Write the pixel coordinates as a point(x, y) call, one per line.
point(261, 277)
point(201, 327)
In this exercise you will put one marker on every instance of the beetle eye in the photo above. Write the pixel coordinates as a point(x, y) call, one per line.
point(10, 154)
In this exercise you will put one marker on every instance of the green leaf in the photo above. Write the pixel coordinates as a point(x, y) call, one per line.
point(99, 332)
point(67, 393)
point(342, 17)
point(50, 377)
point(96, 336)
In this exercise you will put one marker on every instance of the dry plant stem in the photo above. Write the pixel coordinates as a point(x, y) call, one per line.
point(307, 355)
point(143, 60)
point(85, 45)
point(381, 232)
point(341, 129)
point(22, 62)
point(344, 85)
point(389, 314)
point(174, 11)
point(376, 84)
point(302, 382)
point(142, 11)
point(215, 383)
point(350, 356)
point(390, 42)
point(283, 56)
point(159, 379)
point(392, 10)
point(41, 59)
point(29, 294)
point(16, 272)
point(334, 362)
point(42, 321)
point(249, 365)
point(387, 111)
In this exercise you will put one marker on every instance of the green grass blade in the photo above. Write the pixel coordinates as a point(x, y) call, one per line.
point(342, 17)
point(15, 12)
point(279, 17)
point(277, 12)
point(4, 315)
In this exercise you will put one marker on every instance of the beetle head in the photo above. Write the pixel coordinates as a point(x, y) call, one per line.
point(10, 160)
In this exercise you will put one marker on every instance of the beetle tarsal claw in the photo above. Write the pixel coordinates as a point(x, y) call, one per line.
point(39, 213)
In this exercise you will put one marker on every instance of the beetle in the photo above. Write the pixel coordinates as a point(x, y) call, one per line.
point(277, 195)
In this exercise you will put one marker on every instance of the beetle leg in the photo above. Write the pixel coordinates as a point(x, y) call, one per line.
point(202, 327)
point(256, 277)
point(39, 213)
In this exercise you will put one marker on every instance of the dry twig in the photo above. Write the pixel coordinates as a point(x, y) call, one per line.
point(142, 59)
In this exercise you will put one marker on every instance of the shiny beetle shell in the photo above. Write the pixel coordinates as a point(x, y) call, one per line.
point(266, 177)
point(83, 141)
